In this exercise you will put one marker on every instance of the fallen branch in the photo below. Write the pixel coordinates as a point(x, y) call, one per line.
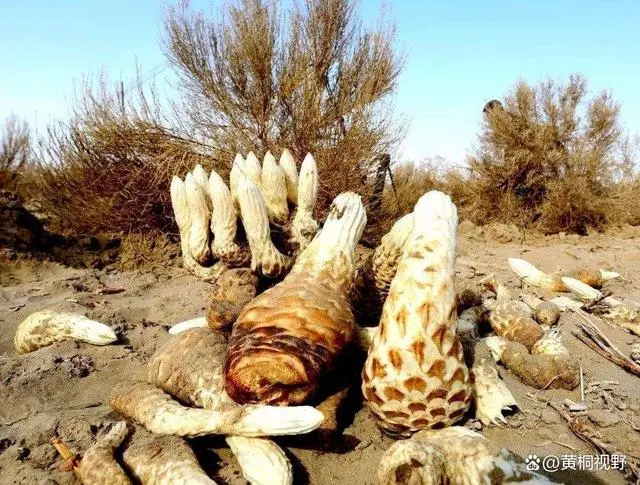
point(587, 434)
point(70, 459)
point(593, 337)
point(109, 291)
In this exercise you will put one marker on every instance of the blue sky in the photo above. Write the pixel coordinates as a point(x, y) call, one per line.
point(459, 55)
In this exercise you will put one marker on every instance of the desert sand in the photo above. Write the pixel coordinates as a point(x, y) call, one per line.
point(62, 389)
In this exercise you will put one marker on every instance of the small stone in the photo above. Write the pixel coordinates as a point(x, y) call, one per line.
point(80, 365)
point(474, 425)
point(466, 226)
point(549, 416)
point(603, 418)
point(516, 421)
point(22, 453)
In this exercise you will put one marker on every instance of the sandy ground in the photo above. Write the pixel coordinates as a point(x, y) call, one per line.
point(63, 388)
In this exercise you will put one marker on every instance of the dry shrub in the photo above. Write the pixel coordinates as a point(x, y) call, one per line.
point(15, 148)
point(550, 158)
point(409, 181)
point(109, 167)
point(626, 193)
point(312, 79)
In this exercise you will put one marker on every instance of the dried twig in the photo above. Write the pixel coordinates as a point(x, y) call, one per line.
point(572, 448)
point(71, 461)
point(109, 291)
point(593, 337)
point(581, 406)
point(603, 384)
point(89, 304)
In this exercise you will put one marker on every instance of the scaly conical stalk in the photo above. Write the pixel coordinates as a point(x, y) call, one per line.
point(46, 327)
point(237, 168)
point(262, 461)
point(162, 459)
point(200, 218)
point(156, 411)
point(200, 176)
point(224, 225)
point(253, 169)
point(265, 257)
point(99, 466)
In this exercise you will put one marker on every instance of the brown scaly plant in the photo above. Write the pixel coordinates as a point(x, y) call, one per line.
point(549, 157)
point(313, 80)
point(108, 168)
point(15, 148)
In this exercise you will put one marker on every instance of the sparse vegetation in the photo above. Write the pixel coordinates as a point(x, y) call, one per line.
point(108, 168)
point(15, 147)
point(315, 80)
point(412, 180)
point(550, 156)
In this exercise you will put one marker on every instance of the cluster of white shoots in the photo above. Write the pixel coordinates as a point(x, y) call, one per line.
point(268, 197)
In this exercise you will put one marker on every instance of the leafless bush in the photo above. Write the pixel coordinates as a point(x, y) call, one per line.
point(410, 181)
point(550, 157)
point(313, 80)
point(15, 146)
point(109, 167)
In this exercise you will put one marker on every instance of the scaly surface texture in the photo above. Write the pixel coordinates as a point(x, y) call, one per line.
point(374, 279)
point(230, 294)
point(415, 376)
point(509, 321)
point(542, 371)
point(99, 466)
point(455, 456)
point(286, 340)
point(189, 366)
point(224, 225)
point(262, 461)
point(44, 328)
point(163, 460)
point(159, 413)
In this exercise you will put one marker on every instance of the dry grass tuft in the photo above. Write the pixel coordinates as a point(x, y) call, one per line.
point(108, 169)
